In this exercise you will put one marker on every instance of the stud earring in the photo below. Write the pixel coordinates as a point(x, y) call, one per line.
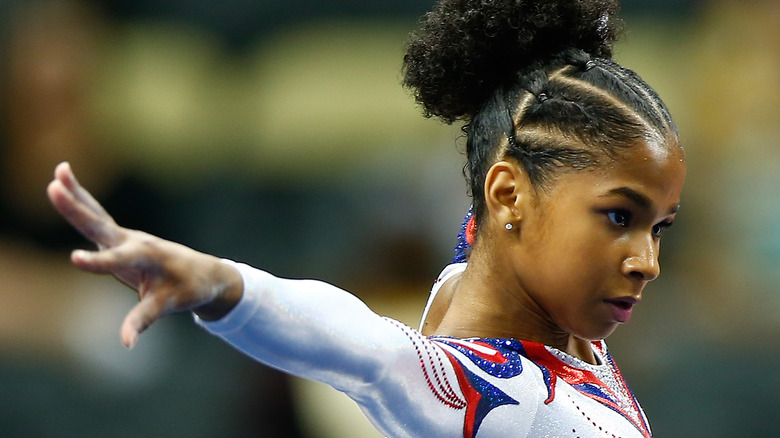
point(509, 227)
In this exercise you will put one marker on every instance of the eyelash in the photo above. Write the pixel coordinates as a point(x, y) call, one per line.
point(612, 215)
point(660, 227)
point(622, 218)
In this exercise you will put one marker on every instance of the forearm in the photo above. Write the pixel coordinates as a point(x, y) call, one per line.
point(318, 331)
point(308, 328)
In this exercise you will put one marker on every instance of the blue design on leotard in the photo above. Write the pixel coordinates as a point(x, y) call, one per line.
point(491, 398)
point(510, 349)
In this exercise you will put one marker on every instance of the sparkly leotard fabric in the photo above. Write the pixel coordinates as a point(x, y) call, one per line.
point(409, 385)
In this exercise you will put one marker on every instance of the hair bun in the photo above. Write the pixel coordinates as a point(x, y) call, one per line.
point(466, 49)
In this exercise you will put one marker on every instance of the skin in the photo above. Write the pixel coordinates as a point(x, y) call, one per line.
point(439, 307)
point(577, 250)
point(169, 277)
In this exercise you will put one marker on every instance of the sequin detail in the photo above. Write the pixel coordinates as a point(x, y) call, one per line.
point(602, 383)
point(432, 367)
point(466, 236)
point(590, 420)
point(494, 358)
point(481, 397)
point(501, 358)
point(497, 357)
point(609, 375)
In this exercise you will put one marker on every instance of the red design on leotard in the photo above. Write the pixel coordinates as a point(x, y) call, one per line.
point(579, 379)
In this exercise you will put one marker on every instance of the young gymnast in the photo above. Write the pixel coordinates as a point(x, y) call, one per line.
point(575, 169)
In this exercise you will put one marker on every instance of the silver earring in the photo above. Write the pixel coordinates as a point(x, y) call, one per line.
point(509, 227)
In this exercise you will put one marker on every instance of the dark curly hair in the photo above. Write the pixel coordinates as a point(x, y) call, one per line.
point(533, 80)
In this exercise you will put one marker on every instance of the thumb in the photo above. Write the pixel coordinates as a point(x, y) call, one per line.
point(141, 316)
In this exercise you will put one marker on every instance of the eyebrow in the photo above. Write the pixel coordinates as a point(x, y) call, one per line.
point(637, 198)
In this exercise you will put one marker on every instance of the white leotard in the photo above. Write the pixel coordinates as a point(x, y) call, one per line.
point(412, 386)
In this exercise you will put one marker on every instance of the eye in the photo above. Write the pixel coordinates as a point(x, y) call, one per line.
point(619, 217)
point(660, 227)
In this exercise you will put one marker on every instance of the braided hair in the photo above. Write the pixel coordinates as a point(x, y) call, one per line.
point(533, 80)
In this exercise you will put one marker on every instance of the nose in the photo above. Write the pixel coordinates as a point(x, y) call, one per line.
point(642, 262)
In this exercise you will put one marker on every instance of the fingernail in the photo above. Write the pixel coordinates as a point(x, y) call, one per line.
point(130, 343)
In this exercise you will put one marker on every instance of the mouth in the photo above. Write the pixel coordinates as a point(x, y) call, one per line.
point(621, 308)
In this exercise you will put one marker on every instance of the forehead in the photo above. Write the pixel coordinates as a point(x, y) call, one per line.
point(652, 162)
point(656, 171)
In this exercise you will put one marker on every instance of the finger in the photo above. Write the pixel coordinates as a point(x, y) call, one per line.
point(127, 266)
point(65, 175)
point(99, 228)
point(103, 262)
point(144, 314)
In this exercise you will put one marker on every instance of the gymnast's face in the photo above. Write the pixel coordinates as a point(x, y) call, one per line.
point(591, 244)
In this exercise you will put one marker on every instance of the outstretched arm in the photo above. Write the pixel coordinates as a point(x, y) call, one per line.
point(403, 381)
point(169, 277)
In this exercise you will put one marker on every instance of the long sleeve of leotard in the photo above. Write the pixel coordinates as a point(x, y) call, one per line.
point(402, 381)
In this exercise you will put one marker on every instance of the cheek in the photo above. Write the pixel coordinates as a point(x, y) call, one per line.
point(576, 244)
point(567, 261)
point(580, 260)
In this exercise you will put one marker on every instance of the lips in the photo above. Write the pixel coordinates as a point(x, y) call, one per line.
point(621, 308)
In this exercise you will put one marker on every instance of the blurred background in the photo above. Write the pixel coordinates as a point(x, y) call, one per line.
point(277, 133)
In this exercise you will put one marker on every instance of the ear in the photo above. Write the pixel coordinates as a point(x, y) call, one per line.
point(507, 193)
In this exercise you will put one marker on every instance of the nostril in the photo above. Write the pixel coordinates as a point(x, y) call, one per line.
point(641, 269)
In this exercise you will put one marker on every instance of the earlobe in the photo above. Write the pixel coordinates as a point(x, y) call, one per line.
point(506, 193)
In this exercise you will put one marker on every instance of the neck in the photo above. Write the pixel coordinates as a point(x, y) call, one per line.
point(484, 306)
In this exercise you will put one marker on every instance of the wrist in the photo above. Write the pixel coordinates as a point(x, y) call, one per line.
point(232, 289)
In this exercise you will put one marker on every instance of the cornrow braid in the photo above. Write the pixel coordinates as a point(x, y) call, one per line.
point(533, 80)
point(569, 115)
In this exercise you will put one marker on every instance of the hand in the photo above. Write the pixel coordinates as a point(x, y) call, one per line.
point(169, 277)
